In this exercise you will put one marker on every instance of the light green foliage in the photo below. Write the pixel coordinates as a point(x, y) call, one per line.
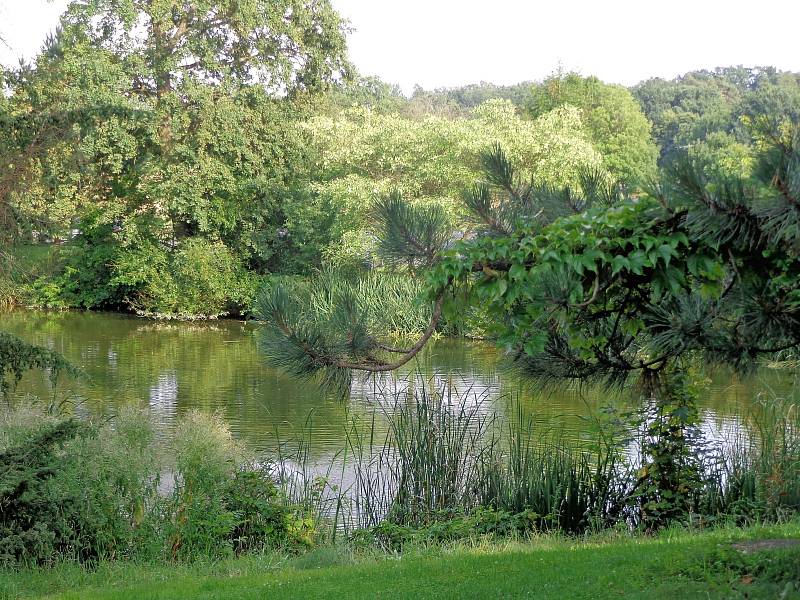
point(364, 155)
point(613, 120)
point(722, 155)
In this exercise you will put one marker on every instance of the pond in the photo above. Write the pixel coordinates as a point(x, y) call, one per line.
point(172, 367)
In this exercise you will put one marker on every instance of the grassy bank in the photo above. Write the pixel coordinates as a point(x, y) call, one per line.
point(675, 564)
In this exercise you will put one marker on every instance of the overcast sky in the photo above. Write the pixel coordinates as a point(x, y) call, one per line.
point(438, 43)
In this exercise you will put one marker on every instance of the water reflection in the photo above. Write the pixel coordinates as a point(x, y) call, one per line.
point(172, 367)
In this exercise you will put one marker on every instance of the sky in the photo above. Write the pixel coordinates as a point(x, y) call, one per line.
point(446, 43)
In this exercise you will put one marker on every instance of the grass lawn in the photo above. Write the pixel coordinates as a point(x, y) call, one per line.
point(672, 565)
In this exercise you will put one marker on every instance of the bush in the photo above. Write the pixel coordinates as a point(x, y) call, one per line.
point(200, 279)
point(55, 508)
point(222, 503)
point(86, 279)
point(35, 523)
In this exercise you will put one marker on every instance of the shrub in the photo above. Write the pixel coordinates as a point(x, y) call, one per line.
point(54, 507)
point(222, 503)
point(200, 279)
point(107, 268)
point(35, 522)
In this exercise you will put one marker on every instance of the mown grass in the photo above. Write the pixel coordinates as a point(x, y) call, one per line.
point(675, 564)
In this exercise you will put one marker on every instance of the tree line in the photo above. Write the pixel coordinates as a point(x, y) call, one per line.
point(172, 156)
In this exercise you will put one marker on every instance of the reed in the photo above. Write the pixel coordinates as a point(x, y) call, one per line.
point(446, 455)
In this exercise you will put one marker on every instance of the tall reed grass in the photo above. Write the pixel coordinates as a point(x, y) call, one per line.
point(447, 455)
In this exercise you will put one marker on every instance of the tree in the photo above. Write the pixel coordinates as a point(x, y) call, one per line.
point(616, 125)
point(147, 124)
point(624, 285)
point(364, 155)
point(458, 101)
point(286, 45)
point(623, 290)
point(705, 108)
point(366, 92)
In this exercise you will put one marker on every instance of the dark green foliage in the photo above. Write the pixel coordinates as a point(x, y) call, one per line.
point(174, 154)
point(704, 109)
point(411, 235)
point(37, 525)
point(103, 270)
point(447, 527)
point(262, 520)
point(243, 512)
point(621, 291)
point(17, 357)
point(87, 278)
point(74, 491)
point(77, 491)
point(280, 44)
point(503, 203)
point(222, 503)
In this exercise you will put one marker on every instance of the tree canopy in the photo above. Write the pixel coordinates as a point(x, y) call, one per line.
point(708, 113)
point(364, 155)
point(595, 285)
point(164, 132)
point(286, 45)
point(615, 122)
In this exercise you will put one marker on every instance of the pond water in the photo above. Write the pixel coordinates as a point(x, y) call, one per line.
point(172, 367)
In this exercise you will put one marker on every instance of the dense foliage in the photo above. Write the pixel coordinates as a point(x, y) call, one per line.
point(710, 113)
point(364, 155)
point(615, 122)
point(143, 142)
point(176, 154)
point(54, 508)
point(596, 285)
